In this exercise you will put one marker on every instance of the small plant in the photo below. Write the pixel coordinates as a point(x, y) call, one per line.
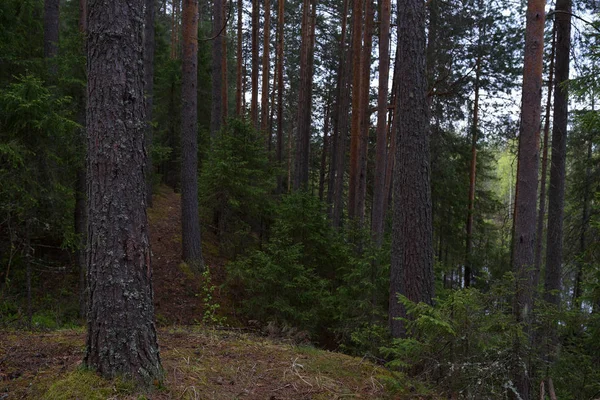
point(211, 307)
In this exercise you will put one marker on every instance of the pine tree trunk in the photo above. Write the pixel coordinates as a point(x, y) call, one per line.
point(216, 115)
point(279, 149)
point(190, 220)
point(51, 28)
point(264, 101)
point(542, 209)
point(412, 239)
point(585, 221)
point(240, 61)
point(473, 174)
point(377, 215)
point(527, 181)
point(324, 151)
point(224, 85)
point(304, 103)
point(254, 100)
point(355, 132)
point(340, 127)
point(149, 91)
point(121, 337)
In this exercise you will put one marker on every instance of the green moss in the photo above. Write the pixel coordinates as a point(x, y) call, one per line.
point(187, 270)
point(86, 384)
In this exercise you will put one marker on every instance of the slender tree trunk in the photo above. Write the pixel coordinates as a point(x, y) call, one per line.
point(224, 86)
point(240, 61)
point(28, 272)
point(216, 115)
point(542, 210)
point(121, 337)
point(355, 133)
point(190, 220)
point(365, 115)
point(412, 238)
point(264, 101)
point(175, 29)
point(51, 28)
point(585, 219)
point(324, 151)
point(391, 155)
point(527, 180)
point(279, 150)
point(377, 216)
point(254, 100)
point(473, 174)
point(338, 155)
point(301, 164)
point(149, 91)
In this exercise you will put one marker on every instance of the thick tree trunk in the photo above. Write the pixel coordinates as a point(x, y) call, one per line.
point(190, 220)
point(254, 100)
point(149, 91)
point(279, 149)
point(377, 215)
point(472, 175)
point(527, 181)
point(340, 125)
point(542, 209)
point(412, 239)
point(240, 62)
point(355, 131)
point(556, 192)
point(216, 115)
point(51, 28)
point(121, 337)
point(301, 164)
point(264, 101)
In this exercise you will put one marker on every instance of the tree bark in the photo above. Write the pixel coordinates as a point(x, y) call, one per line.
point(264, 101)
point(121, 337)
point(224, 85)
point(240, 61)
point(279, 149)
point(51, 28)
point(585, 220)
point(355, 131)
point(542, 210)
point(216, 115)
point(527, 181)
point(340, 126)
point(324, 151)
point(190, 220)
point(412, 239)
point(377, 215)
point(149, 91)
point(254, 100)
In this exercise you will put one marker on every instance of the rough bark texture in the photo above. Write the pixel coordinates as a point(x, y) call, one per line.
point(149, 91)
point(472, 175)
point(190, 220)
point(279, 146)
point(240, 61)
point(121, 337)
point(340, 127)
point(304, 103)
point(542, 209)
point(264, 101)
point(355, 139)
point(254, 100)
point(51, 24)
point(527, 182)
point(216, 115)
point(412, 238)
point(556, 191)
point(377, 215)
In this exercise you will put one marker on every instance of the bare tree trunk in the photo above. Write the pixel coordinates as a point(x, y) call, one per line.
point(279, 150)
point(240, 61)
point(324, 151)
point(264, 102)
point(28, 272)
point(412, 238)
point(527, 180)
point(585, 221)
point(121, 336)
point(304, 103)
point(190, 220)
point(377, 215)
point(542, 209)
point(216, 115)
point(254, 100)
point(149, 91)
point(224, 85)
point(391, 154)
point(473, 174)
point(175, 4)
point(340, 126)
point(51, 28)
point(355, 137)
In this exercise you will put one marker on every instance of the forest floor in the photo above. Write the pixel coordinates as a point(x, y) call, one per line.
point(200, 361)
